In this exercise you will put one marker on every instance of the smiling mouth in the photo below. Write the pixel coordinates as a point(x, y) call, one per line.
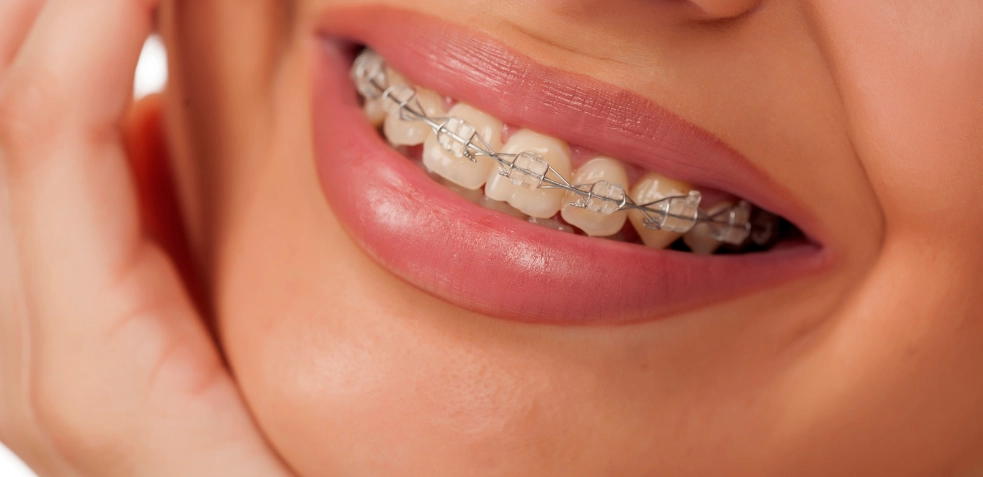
point(541, 179)
point(479, 200)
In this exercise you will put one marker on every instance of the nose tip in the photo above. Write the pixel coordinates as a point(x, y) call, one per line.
point(722, 9)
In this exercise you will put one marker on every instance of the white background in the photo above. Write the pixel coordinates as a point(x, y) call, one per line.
point(150, 77)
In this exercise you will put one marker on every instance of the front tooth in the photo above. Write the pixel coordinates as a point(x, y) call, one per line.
point(537, 202)
point(452, 164)
point(595, 216)
point(698, 238)
point(404, 132)
point(651, 188)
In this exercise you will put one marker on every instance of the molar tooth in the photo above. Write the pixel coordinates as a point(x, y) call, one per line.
point(401, 131)
point(457, 168)
point(370, 74)
point(518, 189)
point(698, 238)
point(653, 187)
point(597, 217)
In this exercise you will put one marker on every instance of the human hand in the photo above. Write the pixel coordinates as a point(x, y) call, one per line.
point(105, 366)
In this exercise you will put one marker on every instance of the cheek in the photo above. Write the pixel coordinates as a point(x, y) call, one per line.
point(374, 397)
point(909, 74)
point(347, 368)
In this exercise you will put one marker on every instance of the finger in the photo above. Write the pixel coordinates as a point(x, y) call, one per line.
point(16, 19)
point(61, 106)
point(80, 55)
point(18, 429)
point(32, 95)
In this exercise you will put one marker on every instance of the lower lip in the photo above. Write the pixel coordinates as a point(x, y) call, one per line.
point(487, 262)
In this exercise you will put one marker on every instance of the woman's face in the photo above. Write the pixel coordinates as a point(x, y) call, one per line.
point(856, 353)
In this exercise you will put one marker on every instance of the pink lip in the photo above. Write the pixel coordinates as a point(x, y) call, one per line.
point(496, 265)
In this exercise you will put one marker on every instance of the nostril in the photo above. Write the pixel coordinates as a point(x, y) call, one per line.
point(724, 9)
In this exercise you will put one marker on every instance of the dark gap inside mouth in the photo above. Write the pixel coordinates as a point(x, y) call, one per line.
point(786, 233)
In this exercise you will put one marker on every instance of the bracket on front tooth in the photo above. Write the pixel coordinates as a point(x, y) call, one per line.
point(528, 169)
point(455, 136)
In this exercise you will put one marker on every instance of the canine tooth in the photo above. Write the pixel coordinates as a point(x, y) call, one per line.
point(552, 224)
point(595, 216)
point(698, 238)
point(404, 132)
point(518, 189)
point(653, 187)
point(502, 207)
point(445, 156)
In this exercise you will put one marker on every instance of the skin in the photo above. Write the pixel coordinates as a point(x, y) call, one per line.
point(335, 367)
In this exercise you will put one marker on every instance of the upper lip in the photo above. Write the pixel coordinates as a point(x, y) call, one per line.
point(474, 69)
point(487, 262)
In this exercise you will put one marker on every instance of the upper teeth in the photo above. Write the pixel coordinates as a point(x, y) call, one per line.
point(519, 185)
point(699, 239)
point(447, 157)
point(529, 171)
point(650, 188)
point(596, 216)
point(402, 130)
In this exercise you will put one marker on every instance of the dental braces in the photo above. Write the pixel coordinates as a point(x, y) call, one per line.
point(735, 225)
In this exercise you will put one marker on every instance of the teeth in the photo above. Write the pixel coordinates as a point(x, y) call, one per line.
point(520, 182)
point(403, 132)
point(519, 189)
point(653, 187)
point(369, 74)
point(698, 238)
point(394, 77)
point(597, 217)
point(502, 207)
point(445, 156)
point(374, 111)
